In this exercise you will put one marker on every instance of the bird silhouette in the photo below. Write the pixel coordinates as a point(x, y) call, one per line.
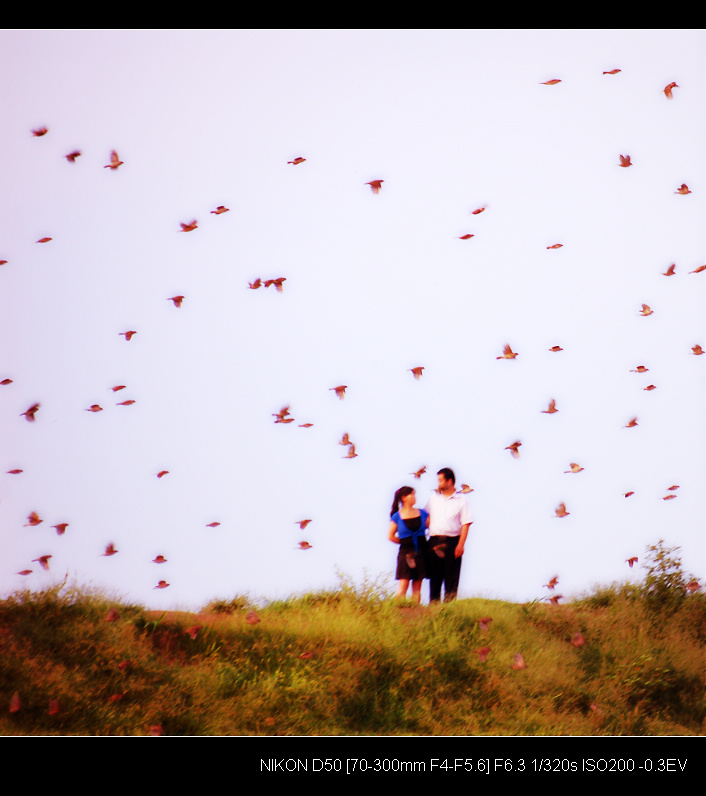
point(43, 562)
point(668, 90)
point(31, 412)
point(484, 623)
point(278, 283)
point(129, 402)
point(612, 72)
point(477, 211)
point(670, 270)
point(95, 408)
point(375, 185)
point(110, 550)
point(213, 524)
point(305, 546)
point(340, 390)
point(61, 528)
point(698, 270)
point(189, 227)
point(419, 473)
point(417, 372)
point(256, 284)
point(552, 583)
point(302, 523)
point(296, 161)
point(162, 584)
point(33, 519)
point(551, 409)
point(561, 511)
point(683, 189)
point(550, 82)
point(508, 353)
point(631, 561)
point(71, 157)
point(556, 348)
point(115, 161)
point(351, 452)
point(625, 161)
point(128, 335)
point(162, 473)
point(646, 310)
point(514, 449)
point(160, 559)
point(220, 209)
point(556, 246)
point(640, 369)
point(44, 240)
point(40, 131)
point(467, 236)
point(575, 468)
point(631, 423)
point(697, 349)
point(14, 472)
point(177, 300)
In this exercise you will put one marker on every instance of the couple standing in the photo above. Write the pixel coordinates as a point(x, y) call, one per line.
point(446, 519)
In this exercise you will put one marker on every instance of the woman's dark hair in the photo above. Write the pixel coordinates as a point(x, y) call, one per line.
point(403, 491)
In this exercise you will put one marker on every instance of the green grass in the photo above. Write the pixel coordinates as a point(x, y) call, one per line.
point(352, 662)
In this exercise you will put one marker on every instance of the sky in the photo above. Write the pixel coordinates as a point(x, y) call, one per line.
point(375, 284)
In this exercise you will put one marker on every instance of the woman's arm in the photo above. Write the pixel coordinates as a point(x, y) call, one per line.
point(392, 533)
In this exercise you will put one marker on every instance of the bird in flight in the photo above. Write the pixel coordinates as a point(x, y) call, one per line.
point(683, 189)
point(419, 472)
point(627, 494)
point(482, 653)
point(189, 227)
point(552, 583)
point(375, 185)
point(43, 562)
point(128, 335)
point(464, 490)
point(256, 284)
point(640, 369)
point(575, 468)
point(61, 528)
point(162, 473)
point(340, 390)
point(625, 161)
point(550, 82)
point(668, 90)
point(277, 283)
point(14, 472)
point(477, 211)
point(40, 131)
point(508, 353)
point(44, 240)
point(670, 270)
point(646, 310)
point(561, 511)
point(552, 408)
point(631, 561)
point(417, 372)
point(177, 300)
point(302, 523)
point(351, 452)
point(467, 236)
point(33, 519)
point(162, 584)
point(129, 402)
point(697, 349)
point(305, 546)
point(213, 524)
point(110, 550)
point(31, 412)
point(296, 161)
point(115, 161)
point(160, 559)
point(514, 449)
point(220, 209)
point(556, 246)
point(95, 408)
point(698, 270)
point(71, 157)
point(632, 423)
point(612, 72)
point(555, 348)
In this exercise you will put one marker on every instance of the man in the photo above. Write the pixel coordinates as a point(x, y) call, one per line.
point(448, 530)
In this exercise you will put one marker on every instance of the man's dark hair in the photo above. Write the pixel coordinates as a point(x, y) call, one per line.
point(448, 474)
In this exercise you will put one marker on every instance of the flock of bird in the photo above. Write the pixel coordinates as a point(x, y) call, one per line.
point(284, 417)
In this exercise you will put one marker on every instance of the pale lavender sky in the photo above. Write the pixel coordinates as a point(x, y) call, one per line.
point(375, 285)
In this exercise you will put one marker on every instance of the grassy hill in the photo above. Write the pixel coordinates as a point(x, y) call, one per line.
point(626, 660)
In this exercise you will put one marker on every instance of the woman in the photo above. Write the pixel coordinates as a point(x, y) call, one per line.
point(408, 529)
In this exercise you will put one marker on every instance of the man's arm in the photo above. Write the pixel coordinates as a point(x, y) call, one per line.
point(462, 540)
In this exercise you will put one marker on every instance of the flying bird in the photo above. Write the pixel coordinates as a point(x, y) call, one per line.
point(612, 72)
point(550, 82)
point(162, 473)
point(31, 412)
point(44, 240)
point(554, 599)
point(514, 449)
point(631, 423)
point(110, 550)
point(575, 468)
point(118, 387)
point(650, 387)
point(552, 408)
point(177, 300)
point(698, 270)
point(692, 586)
point(189, 227)
point(683, 189)
point(61, 528)
point(95, 408)
point(160, 559)
point(631, 561)
point(464, 490)
point(305, 546)
point(556, 246)
point(25, 572)
point(477, 211)
point(345, 439)
point(552, 583)
point(467, 236)
point(670, 270)
point(417, 372)
point(508, 353)
point(127, 335)
point(351, 452)
point(115, 161)
point(672, 488)
point(555, 348)
point(340, 390)
point(193, 631)
point(213, 524)
point(561, 511)
point(40, 131)
point(625, 161)
point(668, 90)
point(33, 519)
point(71, 157)
point(14, 472)
point(646, 310)
point(518, 662)
point(6, 381)
point(482, 653)
point(627, 494)
point(419, 472)
point(669, 497)
point(697, 349)
point(375, 185)
point(43, 562)
point(277, 283)
point(162, 584)
point(220, 209)
point(640, 369)
point(297, 161)
point(256, 284)
point(129, 402)
point(302, 523)
point(305, 425)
